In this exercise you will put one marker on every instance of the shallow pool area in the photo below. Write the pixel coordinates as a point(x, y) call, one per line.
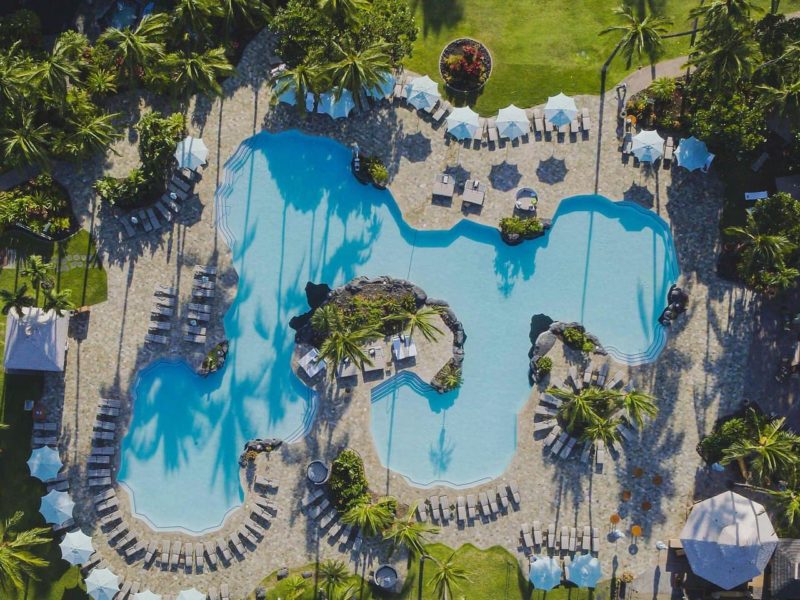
point(292, 213)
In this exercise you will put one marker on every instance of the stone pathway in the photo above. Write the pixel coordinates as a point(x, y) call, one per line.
point(699, 374)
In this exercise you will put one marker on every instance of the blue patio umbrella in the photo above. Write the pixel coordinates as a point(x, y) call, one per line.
point(56, 507)
point(545, 573)
point(560, 110)
point(692, 153)
point(512, 122)
point(44, 463)
point(462, 123)
point(336, 108)
point(422, 92)
point(384, 89)
point(585, 571)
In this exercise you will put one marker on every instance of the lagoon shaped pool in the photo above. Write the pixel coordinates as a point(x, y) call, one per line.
point(292, 213)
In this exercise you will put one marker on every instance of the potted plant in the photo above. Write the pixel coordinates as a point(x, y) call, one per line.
point(379, 173)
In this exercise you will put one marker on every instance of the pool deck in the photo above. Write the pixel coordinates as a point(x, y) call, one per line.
point(699, 375)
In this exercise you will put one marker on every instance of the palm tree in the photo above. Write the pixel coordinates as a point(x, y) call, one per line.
point(346, 11)
point(727, 60)
point(58, 68)
point(325, 319)
point(137, 49)
point(423, 320)
point(302, 79)
point(193, 18)
point(410, 533)
point(637, 406)
point(448, 577)
point(725, 14)
point(604, 430)
point(90, 133)
point(780, 280)
point(640, 36)
point(197, 72)
point(25, 142)
point(58, 302)
point(334, 573)
point(15, 300)
point(17, 562)
point(38, 272)
point(101, 82)
point(358, 71)
point(785, 98)
point(294, 587)
point(12, 75)
point(759, 251)
point(769, 449)
point(252, 12)
point(342, 343)
point(348, 593)
point(371, 517)
point(787, 502)
point(577, 408)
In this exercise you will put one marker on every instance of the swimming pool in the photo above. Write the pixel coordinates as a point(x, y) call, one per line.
point(292, 213)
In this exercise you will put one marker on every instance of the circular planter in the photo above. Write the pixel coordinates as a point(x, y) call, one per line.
point(317, 472)
point(386, 577)
point(456, 47)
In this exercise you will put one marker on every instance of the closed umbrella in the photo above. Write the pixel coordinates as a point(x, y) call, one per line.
point(512, 122)
point(336, 109)
point(383, 89)
point(191, 594)
point(44, 463)
point(146, 595)
point(422, 92)
point(585, 571)
point(76, 548)
point(560, 110)
point(648, 146)
point(545, 573)
point(191, 153)
point(102, 584)
point(692, 154)
point(462, 123)
point(57, 507)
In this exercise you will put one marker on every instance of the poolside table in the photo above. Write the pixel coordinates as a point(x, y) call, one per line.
point(474, 192)
point(444, 185)
point(377, 357)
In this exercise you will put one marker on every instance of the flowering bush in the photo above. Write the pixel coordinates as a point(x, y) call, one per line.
point(465, 67)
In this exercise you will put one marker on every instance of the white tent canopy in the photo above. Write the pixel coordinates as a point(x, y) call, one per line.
point(37, 341)
point(44, 463)
point(560, 110)
point(76, 547)
point(422, 92)
point(648, 146)
point(512, 122)
point(191, 153)
point(462, 123)
point(728, 539)
point(57, 507)
point(102, 584)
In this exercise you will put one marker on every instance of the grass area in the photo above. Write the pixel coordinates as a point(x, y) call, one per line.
point(538, 49)
point(494, 573)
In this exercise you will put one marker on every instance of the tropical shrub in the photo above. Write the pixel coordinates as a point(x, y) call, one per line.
point(378, 172)
point(23, 26)
point(40, 204)
point(732, 124)
point(448, 378)
point(544, 365)
point(713, 446)
point(576, 338)
point(525, 227)
point(662, 89)
point(347, 482)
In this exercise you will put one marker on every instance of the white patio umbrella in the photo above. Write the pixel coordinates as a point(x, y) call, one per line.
point(560, 110)
point(146, 595)
point(545, 573)
point(512, 122)
point(728, 539)
point(102, 584)
point(56, 507)
point(44, 463)
point(191, 594)
point(336, 109)
point(462, 123)
point(648, 146)
point(384, 89)
point(584, 571)
point(76, 548)
point(422, 92)
point(692, 153)
point(191, 153)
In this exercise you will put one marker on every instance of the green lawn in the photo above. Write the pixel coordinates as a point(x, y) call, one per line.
point(494, 573)
point(538, 47)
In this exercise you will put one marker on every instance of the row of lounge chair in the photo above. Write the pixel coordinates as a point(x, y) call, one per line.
point(165, 302)
point(203, 290)
point(318, 507)
point(467, 509)
point(146, 220)
point(44, 434)
point(571, 539)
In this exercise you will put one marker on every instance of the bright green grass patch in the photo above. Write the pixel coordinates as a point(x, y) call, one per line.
point(538, 47)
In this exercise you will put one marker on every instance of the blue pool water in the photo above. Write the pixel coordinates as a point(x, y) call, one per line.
point(292, 213)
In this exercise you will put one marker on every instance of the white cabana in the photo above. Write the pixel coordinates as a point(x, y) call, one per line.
point(36, 341)
point(422, 92)
point(146, 595)
point(191, 594)
point(76, 547)
point(191, 153)
point(728, 539)
point(560, 110)
point(44, 463)
point(102, 584)
point(512, 122)
point(384, 89)
point(462, 123)
point(648, 146)
point(57, 507)
point(336, 109)
point(692, 154)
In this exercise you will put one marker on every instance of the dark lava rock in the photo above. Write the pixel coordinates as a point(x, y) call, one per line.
point(306, 575)
point(283, 573)
point(544, 343)
point(420, 297)
point(437, 302)
point(261, 593)
point(539, 323)
point(317, 293)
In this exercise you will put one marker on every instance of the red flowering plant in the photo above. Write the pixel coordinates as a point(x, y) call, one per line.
point(465, 67)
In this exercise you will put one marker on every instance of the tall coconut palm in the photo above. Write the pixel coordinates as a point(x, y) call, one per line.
point(577, 408)
point(25, 142)
point(637, 405)
point(345, 11)
point(759, 251)
point(193, 19)
point(38, 271)
point(358, 71)
point(770, 449)
point(17, 561)
point(325, 319)
point(724, 14)
point(138, 49)
point(300, 80)
point(198, 72)
point(602, 430)
point(422, 320)
point(371, 517)
point(787, 503)
point(254, 13)
point(90, 133)
point(13, 75)
point(342, 343)
point(786, 98)
point(334, 573)
point(410, 533)
point(58, 68)
point(294, 587)
point(58, 302)
point(640, 36)
point(15, 300)
point(727, 60)
point(448, 577)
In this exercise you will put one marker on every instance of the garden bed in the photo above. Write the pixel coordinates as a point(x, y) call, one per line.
point(465, 65)
point(40, 207)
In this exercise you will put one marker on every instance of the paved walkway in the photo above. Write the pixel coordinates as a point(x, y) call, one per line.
point(699, 374)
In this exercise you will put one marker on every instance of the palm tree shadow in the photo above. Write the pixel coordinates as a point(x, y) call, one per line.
point(438, 14)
